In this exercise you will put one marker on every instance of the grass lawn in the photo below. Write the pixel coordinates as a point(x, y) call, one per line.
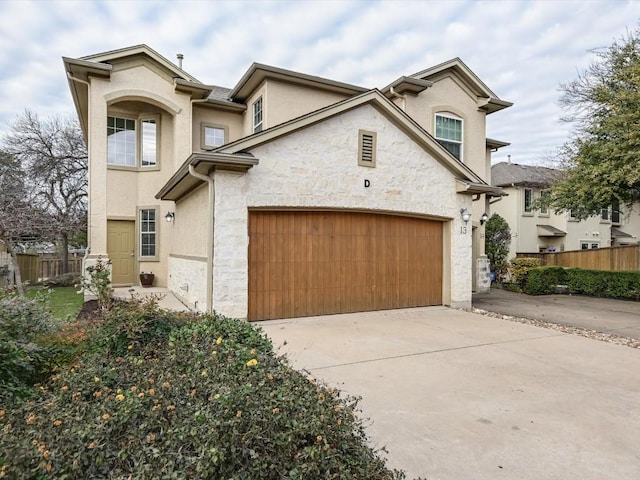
point(63, 301)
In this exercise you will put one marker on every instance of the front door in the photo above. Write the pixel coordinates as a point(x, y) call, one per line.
point(121, 251)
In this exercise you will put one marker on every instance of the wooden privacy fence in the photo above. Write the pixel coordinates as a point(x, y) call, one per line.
point(34, 268)
point(610, 258)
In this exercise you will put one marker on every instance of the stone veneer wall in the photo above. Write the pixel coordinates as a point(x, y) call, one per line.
point(188, 280)
point(317, 168)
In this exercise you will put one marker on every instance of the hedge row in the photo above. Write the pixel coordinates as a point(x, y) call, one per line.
point(596, 283)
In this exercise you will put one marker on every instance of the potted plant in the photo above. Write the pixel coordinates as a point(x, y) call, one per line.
point(146, 279)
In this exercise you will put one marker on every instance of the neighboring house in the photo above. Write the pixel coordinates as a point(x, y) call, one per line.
point(535, 230)
point(289, 194)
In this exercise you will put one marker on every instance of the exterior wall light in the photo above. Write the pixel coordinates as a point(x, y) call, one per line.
point(169, 216)
point(465, 214)
point(484, 218)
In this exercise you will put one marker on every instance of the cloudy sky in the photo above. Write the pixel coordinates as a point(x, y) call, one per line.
point(522, 50)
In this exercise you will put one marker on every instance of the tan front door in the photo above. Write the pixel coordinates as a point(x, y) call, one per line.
point(317, 263)
point(121, 249)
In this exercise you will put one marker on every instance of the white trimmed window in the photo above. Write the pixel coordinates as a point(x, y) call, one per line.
point(148, 232)
point(257, 115)
point(544, 209)
point(449, 133)
point(213, 136)
point(132, 142)
point(527, 206)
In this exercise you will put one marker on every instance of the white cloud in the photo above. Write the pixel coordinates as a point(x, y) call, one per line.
point(521, 49)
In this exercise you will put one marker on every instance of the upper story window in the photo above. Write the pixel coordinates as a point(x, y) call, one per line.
point(449, 133)
point(257, 116)
point(615, 211)
point(132, 142)
point(544, 209)
point(604, 215)
point(527, 206)
point(213, 136)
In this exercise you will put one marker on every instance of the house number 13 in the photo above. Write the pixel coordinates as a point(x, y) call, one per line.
point(463, 230)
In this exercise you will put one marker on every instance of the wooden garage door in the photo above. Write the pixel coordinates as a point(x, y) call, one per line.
point(316, 263)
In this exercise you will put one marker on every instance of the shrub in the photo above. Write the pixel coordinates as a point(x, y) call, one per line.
point(23, 359)
point(624, 285)
point(210, 401)
point(136, 324)
point(519, 268)
point(543, 280)
point(98, 282)
point(497, 240)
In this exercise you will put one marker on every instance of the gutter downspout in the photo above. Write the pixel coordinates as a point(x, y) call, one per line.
point(394, 94)
point(88, 250)
point(210, 239)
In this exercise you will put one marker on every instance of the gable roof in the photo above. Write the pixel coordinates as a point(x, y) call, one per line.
point(505, 174)
point(487, 99)
point(144, 50)
point(258, 72)
point(468, 181)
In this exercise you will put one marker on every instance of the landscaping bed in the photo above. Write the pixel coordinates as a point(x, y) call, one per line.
point(142, 393)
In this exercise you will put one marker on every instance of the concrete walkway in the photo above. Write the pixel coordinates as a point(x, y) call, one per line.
point(455, 395)
point(616, 317)
point(166, 299)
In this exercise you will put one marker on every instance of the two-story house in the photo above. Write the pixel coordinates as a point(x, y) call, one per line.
point(542, 230)
point(288, 194)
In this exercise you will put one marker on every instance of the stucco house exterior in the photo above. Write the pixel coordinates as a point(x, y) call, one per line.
point(288, 194)
point(534, 230)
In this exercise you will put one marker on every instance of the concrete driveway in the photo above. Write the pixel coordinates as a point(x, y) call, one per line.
point(616, 317)
point(456, 395)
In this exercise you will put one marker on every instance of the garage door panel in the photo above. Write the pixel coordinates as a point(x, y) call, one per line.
point(314, 263)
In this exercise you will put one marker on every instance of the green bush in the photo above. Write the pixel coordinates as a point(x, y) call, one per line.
point(543, 280)
point(519, 269)
point(210, 400)
point(598, 283)
point(138, 324)
point(24, 360)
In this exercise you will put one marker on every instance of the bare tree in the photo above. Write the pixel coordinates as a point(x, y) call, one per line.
point(53, 155)
point(18, 217)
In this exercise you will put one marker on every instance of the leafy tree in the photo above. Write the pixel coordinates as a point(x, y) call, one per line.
point(53, 155)
point(602, 159)
point(497, 241)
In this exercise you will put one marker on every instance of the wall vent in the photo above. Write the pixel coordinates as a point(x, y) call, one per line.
point(367, 148)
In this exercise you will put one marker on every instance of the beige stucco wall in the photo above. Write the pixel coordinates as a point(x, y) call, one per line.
point(317, 168)
point(449, 95)
point(524, 231)
point(231, 120)
point(287, 101)
point(136, 87)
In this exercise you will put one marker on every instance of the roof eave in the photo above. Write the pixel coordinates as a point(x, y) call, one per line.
point(409, 85)
point(494, 144)
point(474, 188)
point(257, 73)
point(196, 90)
point(182, 182)
point(491, 105)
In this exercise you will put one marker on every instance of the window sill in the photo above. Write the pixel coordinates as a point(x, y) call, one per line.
point(125, 168)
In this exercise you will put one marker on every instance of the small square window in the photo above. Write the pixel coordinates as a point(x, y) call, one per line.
point(213, 136)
